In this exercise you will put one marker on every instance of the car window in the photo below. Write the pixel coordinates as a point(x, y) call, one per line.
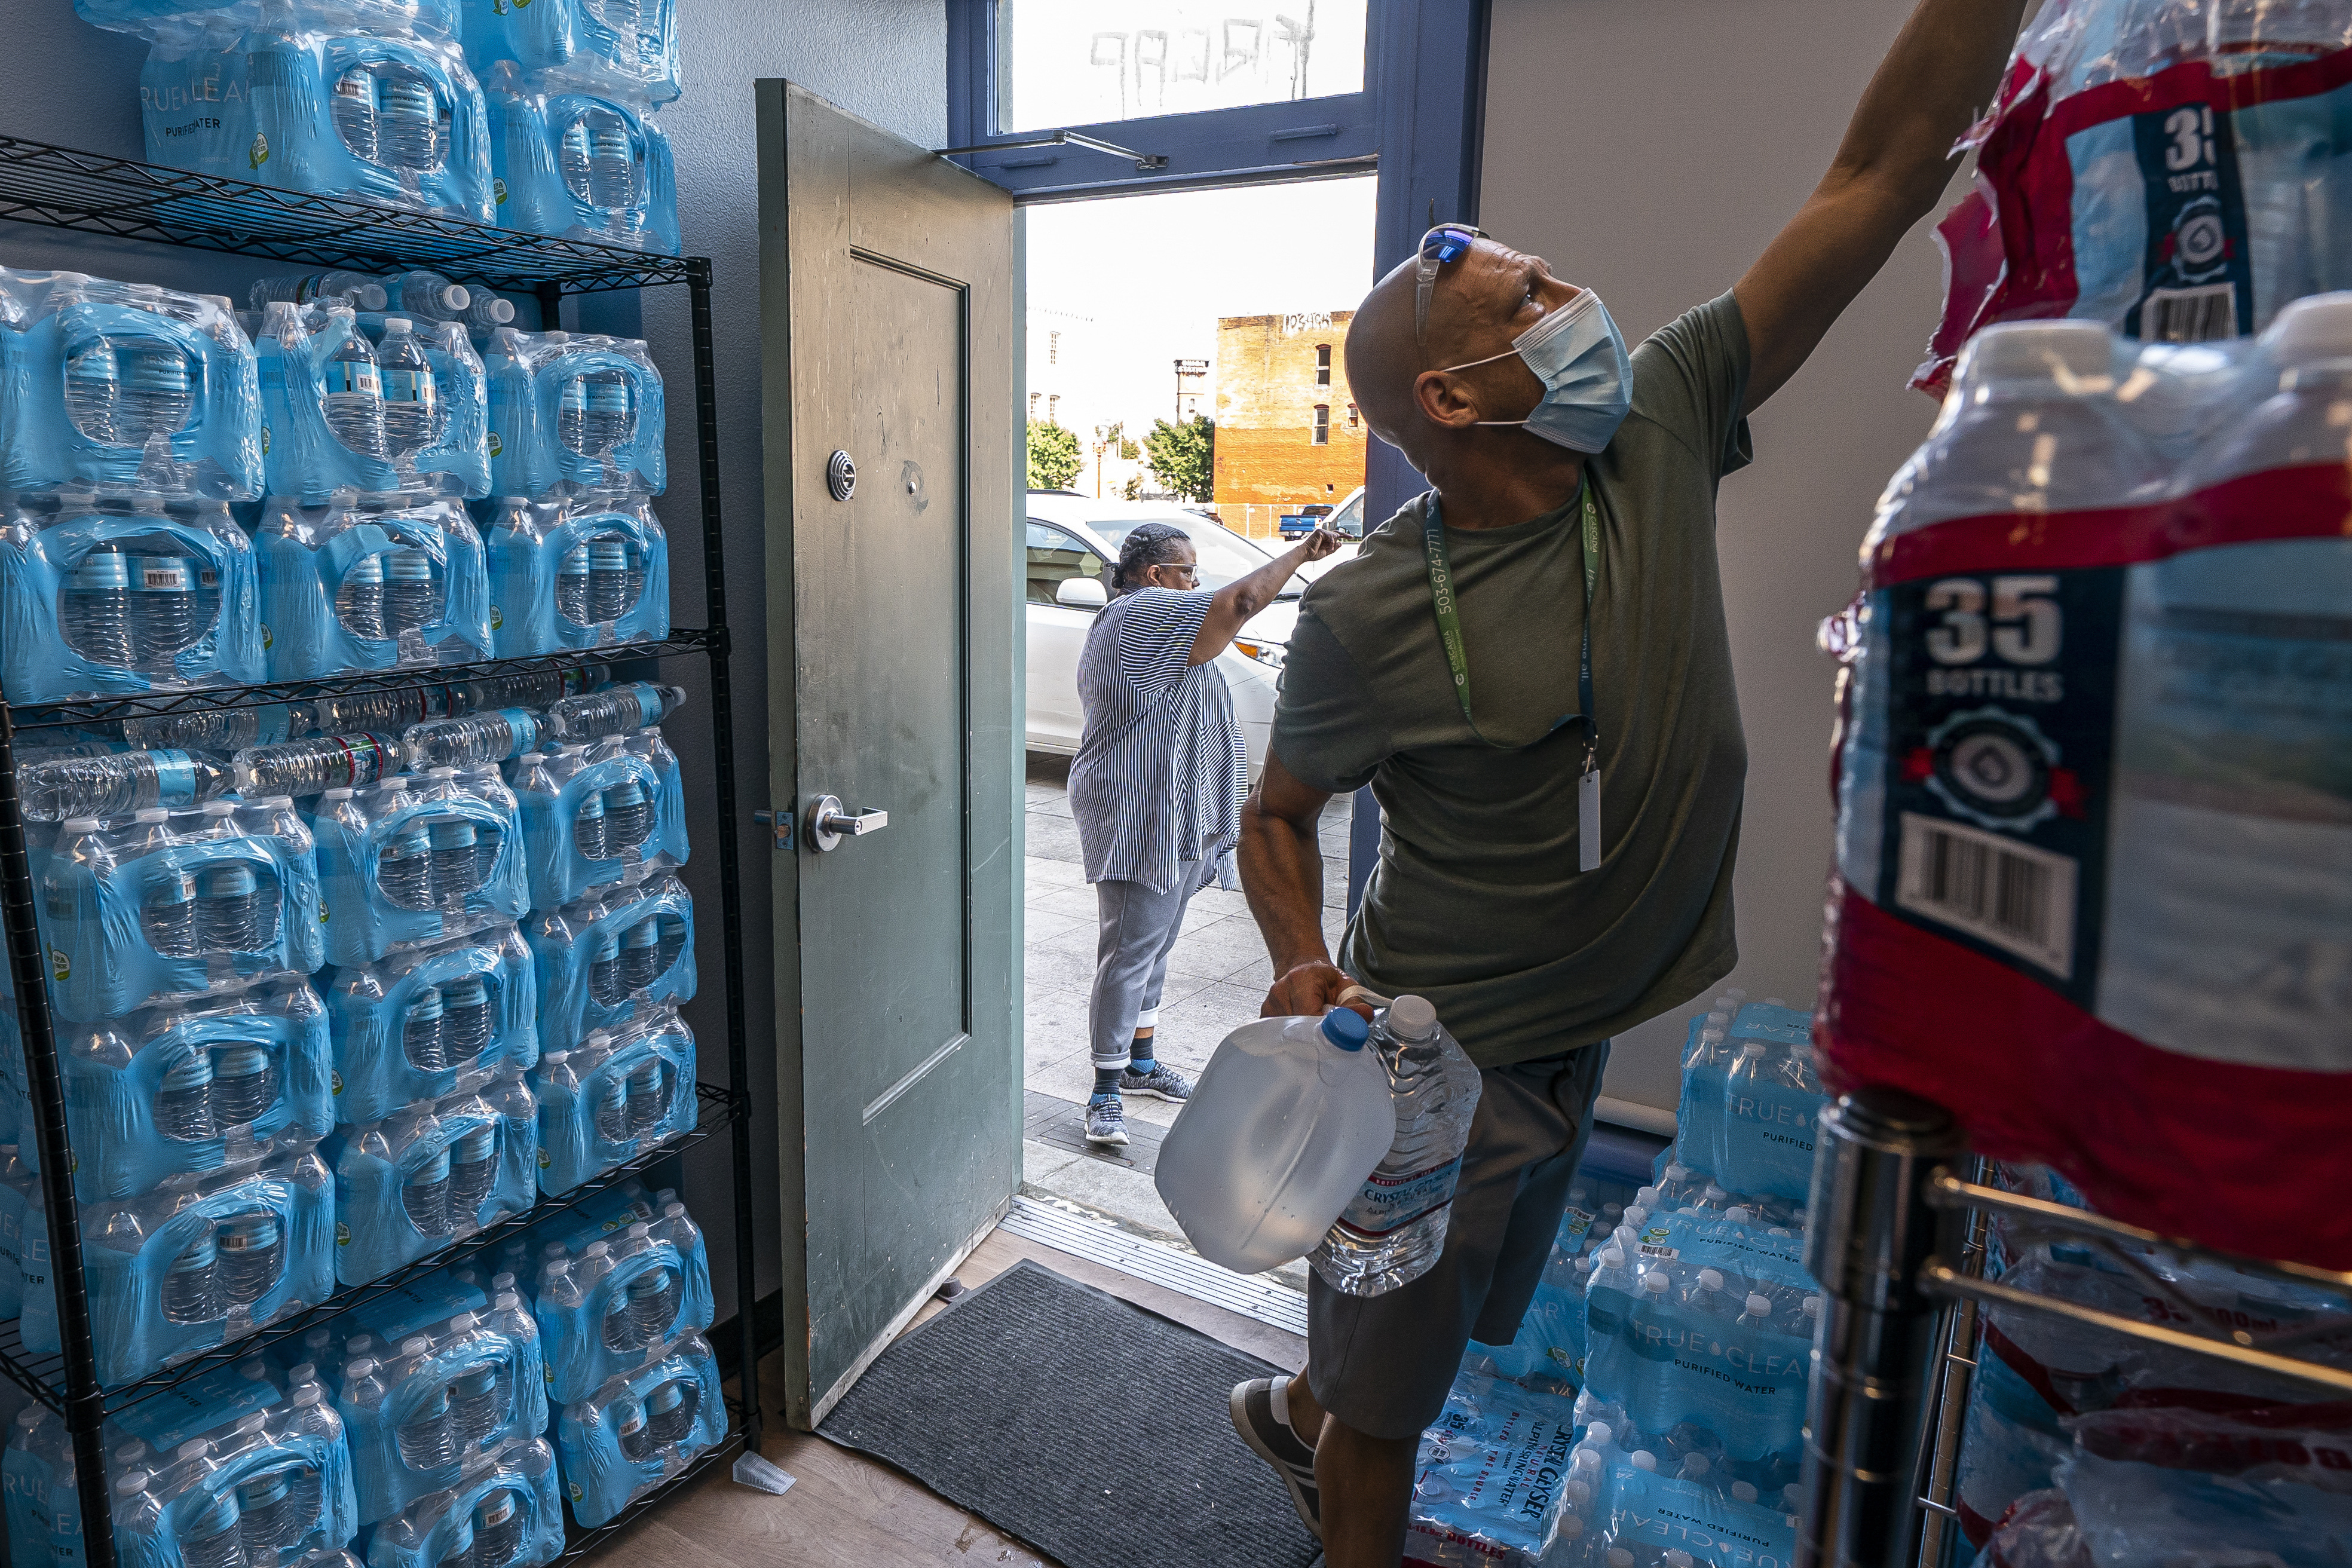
point(1224, 555)
point(1350, 519)
point(1054, 557)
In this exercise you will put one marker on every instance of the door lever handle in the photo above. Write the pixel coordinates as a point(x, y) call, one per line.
point(829, 822)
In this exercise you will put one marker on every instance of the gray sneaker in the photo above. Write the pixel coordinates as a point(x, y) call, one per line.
point(1272, 1439)
point(1106, 1120)
point(1162, 1082)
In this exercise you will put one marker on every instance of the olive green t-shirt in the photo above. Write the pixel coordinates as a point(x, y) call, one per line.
point(1476, 902)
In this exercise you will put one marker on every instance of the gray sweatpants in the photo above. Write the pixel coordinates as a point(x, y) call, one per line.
point(1137, 932)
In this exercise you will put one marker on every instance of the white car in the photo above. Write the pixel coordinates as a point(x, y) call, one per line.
point(1071, 540)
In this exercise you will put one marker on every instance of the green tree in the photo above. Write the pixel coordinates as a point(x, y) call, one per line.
point(1053, 460)
point(1184, 457)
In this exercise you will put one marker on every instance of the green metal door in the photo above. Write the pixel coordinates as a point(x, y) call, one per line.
point(894, 583)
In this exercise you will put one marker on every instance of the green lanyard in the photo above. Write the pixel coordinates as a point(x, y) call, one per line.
point(1449, 633)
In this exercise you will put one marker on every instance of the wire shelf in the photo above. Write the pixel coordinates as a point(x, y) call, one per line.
point(186, 699)
point(62, 188)
point(42, 1373)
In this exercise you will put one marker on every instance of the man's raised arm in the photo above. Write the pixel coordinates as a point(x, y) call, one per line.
point(1889, 172)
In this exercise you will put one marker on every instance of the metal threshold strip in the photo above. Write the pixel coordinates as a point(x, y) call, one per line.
point(1188, 1273)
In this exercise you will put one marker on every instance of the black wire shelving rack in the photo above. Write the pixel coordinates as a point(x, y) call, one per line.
point(58, 187)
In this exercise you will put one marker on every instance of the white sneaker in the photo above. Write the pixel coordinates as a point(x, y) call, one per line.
point(1106, 1120)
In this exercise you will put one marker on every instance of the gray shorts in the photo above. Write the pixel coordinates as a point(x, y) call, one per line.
point(1383, 1364)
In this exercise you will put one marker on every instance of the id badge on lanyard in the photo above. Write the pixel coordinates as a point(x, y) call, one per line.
point(1449, 633)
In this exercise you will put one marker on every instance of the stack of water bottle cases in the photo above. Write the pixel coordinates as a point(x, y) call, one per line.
point(537, 117)
point(338, 984)
point(1649, 1414)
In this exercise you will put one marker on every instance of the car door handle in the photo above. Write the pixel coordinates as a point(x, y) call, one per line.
point(829, 822)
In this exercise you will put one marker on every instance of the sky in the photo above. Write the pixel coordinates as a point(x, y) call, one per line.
point(1155, 272)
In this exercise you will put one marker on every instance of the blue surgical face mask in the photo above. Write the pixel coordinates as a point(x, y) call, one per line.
point(1579, 355)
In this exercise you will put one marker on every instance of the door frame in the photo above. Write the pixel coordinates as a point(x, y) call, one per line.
point(799, 240)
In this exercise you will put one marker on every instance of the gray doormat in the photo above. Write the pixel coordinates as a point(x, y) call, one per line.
point(1090, 1427)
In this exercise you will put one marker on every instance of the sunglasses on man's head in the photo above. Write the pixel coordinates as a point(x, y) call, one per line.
point(1446, 242)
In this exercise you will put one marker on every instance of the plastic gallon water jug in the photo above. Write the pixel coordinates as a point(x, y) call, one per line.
point(1289, 1119)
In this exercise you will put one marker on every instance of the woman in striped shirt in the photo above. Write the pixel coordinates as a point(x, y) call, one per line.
point(1157, 786)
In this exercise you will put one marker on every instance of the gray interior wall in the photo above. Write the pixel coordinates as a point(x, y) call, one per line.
point(1650, 151)
point(882, 60)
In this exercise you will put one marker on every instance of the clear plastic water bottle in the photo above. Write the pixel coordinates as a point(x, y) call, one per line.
point(498, 1530)
point(628, 816)
point(335, 286)
point(229, 909)
point(612, 713)
point(1610, 1270)
point(604, 986)
point(653, 1305)
point(412, 600)
point(355, 410)
point(588, 834)
point(473, 741)
point(403, 873)
point(212, 1539)
point(425, 1439)
point(607, 412)
point(1756, 1312)
point(612, 1109)
point(164, 617)
point(359, 598)
point(464, 1019)
point(154, 394)
point(351, 761)
point(427, 295)
point(572, 413)
point(640, 956)
point(265, 1506)
point(412, 401)
point(1392, 1230)
point(477, 1403)
point(487, 311)
point(473, 1171)
point(183, 1108)
point(612, 163)
point(608, 578)
point(191, 1292)
point(252, 1249)
point(245, 1084)
point(407, 122)
point(670, 1413)
point(92, 377)
point(421, 1031)
point(117, 785)
point(461, 1550)
point(94, 609)
point(377, 710)
point(571, 596)
point(1708, 1298)
point(646, 1102)
point(629, 1433)
point(620, 1329)
point(425, 1195)
point(670, 941)
point(354, 110)
point(456, 859)
point(169, 915)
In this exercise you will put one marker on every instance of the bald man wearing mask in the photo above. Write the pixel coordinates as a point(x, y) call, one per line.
point(1528, 665)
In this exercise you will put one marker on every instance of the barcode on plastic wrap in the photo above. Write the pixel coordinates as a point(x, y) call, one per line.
point(2189, 315)
point(2011, 895)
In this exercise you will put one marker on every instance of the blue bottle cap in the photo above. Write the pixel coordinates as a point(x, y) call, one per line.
point(235, 881)
point(1345, 1027)
point(242, 1061)
point(100, 571)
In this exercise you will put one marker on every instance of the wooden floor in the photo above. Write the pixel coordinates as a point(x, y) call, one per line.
point(848, 1512)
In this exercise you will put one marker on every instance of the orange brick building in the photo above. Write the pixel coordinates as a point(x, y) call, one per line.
point(1288, 436)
